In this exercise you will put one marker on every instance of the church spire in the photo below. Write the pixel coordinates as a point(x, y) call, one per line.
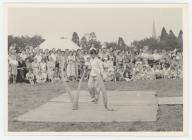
point(154, 31)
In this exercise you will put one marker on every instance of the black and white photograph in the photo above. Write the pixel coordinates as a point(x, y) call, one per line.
point(96, 68)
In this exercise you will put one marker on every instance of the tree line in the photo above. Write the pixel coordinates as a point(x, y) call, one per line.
point(165, 41)
point(23, 41)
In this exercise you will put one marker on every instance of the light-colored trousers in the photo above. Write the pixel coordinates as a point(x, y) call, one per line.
point(94, 86)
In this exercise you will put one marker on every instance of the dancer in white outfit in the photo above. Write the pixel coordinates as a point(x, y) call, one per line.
point(96, 68)
point(95, 83)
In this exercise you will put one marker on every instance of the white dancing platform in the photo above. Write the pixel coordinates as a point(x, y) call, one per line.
point(127, 105)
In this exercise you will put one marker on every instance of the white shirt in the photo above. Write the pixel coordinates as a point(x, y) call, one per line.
point(23, 56)
point(86, 57)
point(14, 62)
point(157, 56)
point(38, 58)
point(96, 66)
point(53, 56)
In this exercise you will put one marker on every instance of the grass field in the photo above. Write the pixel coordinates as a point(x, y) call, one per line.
point(24, 97)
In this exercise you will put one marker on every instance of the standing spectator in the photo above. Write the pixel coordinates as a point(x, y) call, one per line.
point(21, 70)
point(14, 65)
point(23, 55)
point(53, 55)
point(79, 64)
point(35, 67)
point(59, 62)
point(50, 69)
point(28, 64)
point(38, 56)
point(64, 62)
point(71, 73)
point(43, 66)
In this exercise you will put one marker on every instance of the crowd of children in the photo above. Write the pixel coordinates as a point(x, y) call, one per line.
point(34, 65)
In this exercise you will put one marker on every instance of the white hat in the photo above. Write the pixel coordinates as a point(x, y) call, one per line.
point(92, 49)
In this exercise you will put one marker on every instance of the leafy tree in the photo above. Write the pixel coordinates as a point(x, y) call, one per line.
point(171, 35)
point(11, 40)
point(93, 41)
point(92, 36)
point(97, 44)
point(111, 45)
point(36, 40)
point(172, 41)
point(75, 38)
point(150, 42)
point(167, 41)
point(83, 42)
point(180, 38)
point(121, 44)
point(22, 41)
point(163, 35)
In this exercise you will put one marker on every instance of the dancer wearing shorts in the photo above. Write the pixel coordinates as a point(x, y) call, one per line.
point(93, 82)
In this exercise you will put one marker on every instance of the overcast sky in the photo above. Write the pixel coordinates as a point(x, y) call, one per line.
point(108, 24)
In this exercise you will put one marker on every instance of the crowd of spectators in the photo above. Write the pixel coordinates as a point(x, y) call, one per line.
point(35, 65)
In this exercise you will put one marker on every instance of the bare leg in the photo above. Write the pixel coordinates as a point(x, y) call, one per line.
point(90, 87)
point(104, 93)
point(67, 88)
point(97, 91)
point(14, 79)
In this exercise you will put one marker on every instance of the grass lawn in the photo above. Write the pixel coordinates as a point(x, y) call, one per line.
point(23, 97)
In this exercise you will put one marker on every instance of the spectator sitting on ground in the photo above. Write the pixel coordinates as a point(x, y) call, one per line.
point(41, 77)
point(56, 76)
point(127, 74)
point(30, 76)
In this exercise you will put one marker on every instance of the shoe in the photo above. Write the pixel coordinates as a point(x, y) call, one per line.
point(93, 100)
point(96, 101)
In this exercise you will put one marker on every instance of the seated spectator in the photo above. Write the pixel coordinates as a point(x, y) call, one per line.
point(30, 76)
point(56, 76)
point(41, 77)
point(119, 74)
point(158, 72)
point(127, 74)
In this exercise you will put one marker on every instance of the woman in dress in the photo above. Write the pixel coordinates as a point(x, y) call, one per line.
point(9, 72)
point(35, 67)
point(43, 67)
point(14, 65)
point(50, 69)
point(21, 70)
point(71, 72)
